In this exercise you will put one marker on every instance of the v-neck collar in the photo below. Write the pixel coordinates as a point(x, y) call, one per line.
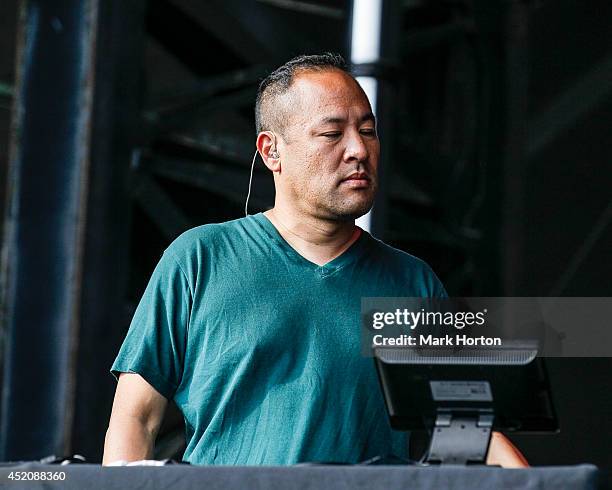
point(348, 256)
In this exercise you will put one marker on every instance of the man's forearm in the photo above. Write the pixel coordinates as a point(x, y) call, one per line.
point(127, 439)
point(503, 453)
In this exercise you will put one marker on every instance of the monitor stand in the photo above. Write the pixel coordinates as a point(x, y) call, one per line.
point(460, 437)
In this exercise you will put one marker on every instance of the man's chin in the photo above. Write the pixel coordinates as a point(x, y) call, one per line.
point(351, 213)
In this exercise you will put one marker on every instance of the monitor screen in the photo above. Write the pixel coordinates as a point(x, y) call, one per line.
point(510, 383)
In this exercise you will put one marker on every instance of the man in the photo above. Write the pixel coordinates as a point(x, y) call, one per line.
point(253, 326)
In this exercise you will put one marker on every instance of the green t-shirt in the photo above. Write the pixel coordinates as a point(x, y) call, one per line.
point(260, 348)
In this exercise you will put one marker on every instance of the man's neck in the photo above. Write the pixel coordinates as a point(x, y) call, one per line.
point(319, 241)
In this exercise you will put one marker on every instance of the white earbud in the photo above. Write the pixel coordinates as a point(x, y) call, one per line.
point(273, 154)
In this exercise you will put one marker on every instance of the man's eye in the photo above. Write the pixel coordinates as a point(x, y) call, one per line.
point(369, 131)
point(332, 135)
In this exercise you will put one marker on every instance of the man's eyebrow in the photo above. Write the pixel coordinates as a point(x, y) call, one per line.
point(338, 120)
point(368, 117)
point(332, 120)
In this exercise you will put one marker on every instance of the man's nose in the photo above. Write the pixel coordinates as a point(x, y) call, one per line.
point(356, 148)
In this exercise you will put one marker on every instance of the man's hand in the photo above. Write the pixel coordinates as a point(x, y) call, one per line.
point(138, 410)
point(503, 453)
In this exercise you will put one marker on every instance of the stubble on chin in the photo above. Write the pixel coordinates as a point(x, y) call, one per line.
point(350, 209)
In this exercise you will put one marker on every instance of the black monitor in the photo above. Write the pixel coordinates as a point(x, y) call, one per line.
point(460, 396)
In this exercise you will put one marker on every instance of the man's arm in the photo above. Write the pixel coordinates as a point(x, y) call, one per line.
point(505, 454)
point(138, 410)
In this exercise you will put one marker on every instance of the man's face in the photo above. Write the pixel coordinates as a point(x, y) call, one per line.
point(329, 147)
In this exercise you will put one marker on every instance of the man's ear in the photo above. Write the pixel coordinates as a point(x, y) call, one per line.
point(266, 146)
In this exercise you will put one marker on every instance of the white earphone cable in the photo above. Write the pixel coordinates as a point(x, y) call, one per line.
point(246, 204)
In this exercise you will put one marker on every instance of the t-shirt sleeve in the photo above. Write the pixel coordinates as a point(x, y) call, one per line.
point(154, 346)
point(439, 291)
point(433, 286)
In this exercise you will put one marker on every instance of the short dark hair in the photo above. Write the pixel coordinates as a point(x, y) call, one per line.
point(278, 82)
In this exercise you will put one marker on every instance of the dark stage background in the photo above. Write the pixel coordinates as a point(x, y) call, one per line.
point(123, 123)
